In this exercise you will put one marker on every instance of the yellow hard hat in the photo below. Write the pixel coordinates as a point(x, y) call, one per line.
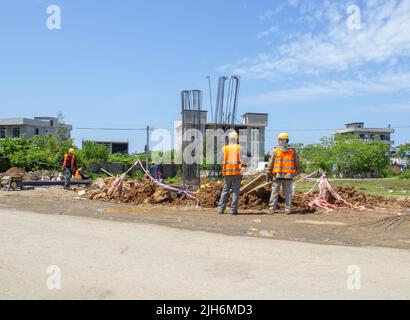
point(283, 136)
point(233, 135)
point(71, 150)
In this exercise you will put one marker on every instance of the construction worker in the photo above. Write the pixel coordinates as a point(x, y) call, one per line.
point(283, 166)
point(79, 174)
point(232, 172)
point(154, 171)
point(69, 165)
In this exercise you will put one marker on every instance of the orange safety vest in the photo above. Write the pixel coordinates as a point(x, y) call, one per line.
point(231, 165)
point(284, 162)
point(65, 164)
point(78, 175)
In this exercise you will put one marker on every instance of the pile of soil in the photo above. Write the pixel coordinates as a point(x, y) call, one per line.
point(148, 193)
point(133, 191)
point(14, 170)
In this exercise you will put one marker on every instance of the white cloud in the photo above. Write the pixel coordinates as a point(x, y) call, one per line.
point(383, 85)
point(268, 32)
point(266, 15)
point(383, 38)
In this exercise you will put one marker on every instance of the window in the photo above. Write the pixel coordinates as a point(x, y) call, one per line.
point(37, 131)
point(51, 123)
point(16, 132)
point(2, 132)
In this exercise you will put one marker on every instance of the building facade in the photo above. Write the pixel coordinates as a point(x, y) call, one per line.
point(113, 146)
point(367, 134)
point(252, 131)
point(39, 126)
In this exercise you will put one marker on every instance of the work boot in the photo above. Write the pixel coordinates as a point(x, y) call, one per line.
point(221, 212)
point(290, 212)
point(272, 212)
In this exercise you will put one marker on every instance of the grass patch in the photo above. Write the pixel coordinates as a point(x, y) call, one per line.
point(379, 187)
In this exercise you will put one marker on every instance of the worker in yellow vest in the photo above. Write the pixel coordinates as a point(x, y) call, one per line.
point(283, 166)
point(232, 172)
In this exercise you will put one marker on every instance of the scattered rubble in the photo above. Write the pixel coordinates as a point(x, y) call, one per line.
point(148, 193)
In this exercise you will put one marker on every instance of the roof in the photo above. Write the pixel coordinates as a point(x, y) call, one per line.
point(363, 130)
point(41, 122)
point(23, 121)
point(257, 113)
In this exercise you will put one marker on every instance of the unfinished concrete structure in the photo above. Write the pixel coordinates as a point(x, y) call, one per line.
point(254, 124)
point(39, 126)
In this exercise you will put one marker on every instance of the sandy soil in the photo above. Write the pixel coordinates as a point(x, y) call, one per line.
point(341, 227)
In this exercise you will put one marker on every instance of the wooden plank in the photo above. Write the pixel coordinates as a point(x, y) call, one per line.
point(254, 183)
point(259, 187)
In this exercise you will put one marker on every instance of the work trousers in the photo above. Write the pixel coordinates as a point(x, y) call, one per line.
point(288, 189)
point(234, 183)
point(68, 174)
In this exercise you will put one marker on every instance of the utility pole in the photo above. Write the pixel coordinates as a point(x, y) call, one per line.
point(147, 149)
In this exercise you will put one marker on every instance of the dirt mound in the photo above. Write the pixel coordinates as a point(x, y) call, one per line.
point(15, 170)
point(134, 191)
point(146, 192)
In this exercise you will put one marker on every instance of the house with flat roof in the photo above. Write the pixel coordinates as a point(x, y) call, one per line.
point(366, 134)
point(39, 126)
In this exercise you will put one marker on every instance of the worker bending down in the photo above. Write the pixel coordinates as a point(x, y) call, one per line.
point(79, 174)
point(283, 166)
point(69, 165)
point(232, 172)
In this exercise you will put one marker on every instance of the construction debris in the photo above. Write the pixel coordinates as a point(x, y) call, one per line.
point(150, 193)
point(326, 190)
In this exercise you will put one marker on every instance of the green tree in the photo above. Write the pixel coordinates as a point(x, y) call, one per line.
point(403, 151)
point(94, 152)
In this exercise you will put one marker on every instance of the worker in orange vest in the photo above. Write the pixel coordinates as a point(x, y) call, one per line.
point(232, 172)
point(283, 166)
point(79, 174)
point(69, 165)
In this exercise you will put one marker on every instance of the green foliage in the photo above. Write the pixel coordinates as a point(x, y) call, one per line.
point(405, 175)
point(128, 160)
point(37, 153)
point(173, 180)
point(347, 155)
point(94, 152)
point(403, 151)
point(137, 175)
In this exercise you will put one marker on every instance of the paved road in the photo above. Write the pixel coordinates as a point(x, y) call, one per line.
point(110, 260)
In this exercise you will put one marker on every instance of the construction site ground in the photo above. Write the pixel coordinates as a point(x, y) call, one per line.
point(341, 227)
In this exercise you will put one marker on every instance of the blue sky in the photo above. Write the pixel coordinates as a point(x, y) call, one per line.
point(123, 63)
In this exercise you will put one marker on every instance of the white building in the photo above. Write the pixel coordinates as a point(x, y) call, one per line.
point(39, 126)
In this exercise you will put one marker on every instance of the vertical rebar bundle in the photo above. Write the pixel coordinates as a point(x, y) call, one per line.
point(191, 102)
point(226, 109)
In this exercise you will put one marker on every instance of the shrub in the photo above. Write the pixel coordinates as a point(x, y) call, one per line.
point(94, 152)
point(405, 174)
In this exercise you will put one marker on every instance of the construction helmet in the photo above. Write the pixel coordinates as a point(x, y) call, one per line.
point(283, 136)
point(71, 150)
point(233, 135)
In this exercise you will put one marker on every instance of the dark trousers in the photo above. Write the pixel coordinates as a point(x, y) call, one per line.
point(68, 174)
point(234, 183)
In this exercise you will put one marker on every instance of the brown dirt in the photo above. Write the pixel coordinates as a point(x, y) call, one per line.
point(146, 192)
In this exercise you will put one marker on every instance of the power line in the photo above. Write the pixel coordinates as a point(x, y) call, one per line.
point(113, 129)
point(268, 130)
